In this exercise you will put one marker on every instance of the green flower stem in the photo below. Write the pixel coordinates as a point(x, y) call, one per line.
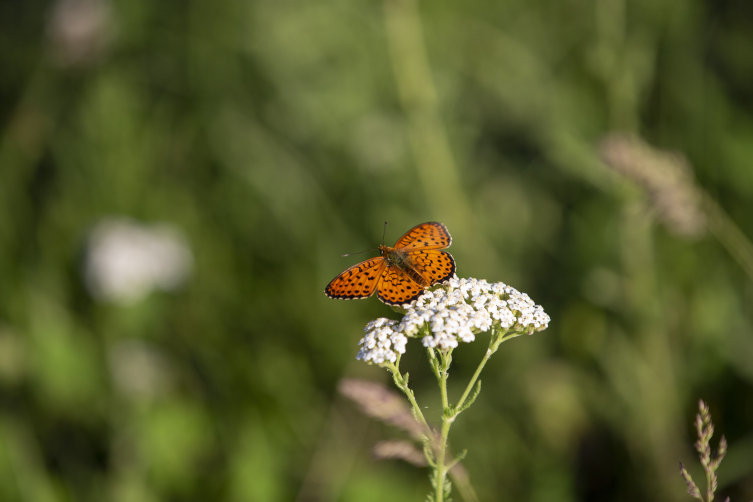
point(434, 363)
point(445, 359)
point(402, 384)
point(450, 413)
point(473, 379)
point(440, 361)
point(494, 342)
point(441, 468)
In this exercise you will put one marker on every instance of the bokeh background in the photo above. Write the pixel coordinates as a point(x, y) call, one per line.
point(239, 147)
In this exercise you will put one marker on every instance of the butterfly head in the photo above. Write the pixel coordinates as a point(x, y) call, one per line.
point(392, 255)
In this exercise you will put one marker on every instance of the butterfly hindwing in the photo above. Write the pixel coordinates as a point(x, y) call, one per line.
point(434, 265)
point(431, 235)
point(396, 287)
point(359, 281)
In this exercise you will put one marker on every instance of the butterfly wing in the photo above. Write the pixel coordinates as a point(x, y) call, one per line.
point(431, 235)
point(434, 265)
point(359, 281)
point(396, 287)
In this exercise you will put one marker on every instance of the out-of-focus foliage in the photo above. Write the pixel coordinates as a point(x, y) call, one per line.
point(274, 136)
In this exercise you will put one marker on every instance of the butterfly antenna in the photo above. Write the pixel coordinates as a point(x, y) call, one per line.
point(367, 250)
point(364, 251)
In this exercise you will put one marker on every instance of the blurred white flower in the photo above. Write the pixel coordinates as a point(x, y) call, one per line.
point(125, 260)
point(451, 313)
point(80, 30)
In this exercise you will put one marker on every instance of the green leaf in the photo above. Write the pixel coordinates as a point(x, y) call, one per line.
point(471, 399)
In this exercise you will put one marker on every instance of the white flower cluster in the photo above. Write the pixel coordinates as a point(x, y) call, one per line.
point(382, 342)
point(126, 260)
point(453, 312)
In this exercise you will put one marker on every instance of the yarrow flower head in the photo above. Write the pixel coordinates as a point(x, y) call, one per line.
point(450, 313)
point(382, 342)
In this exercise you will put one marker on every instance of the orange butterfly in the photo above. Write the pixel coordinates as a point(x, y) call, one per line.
point(402, 272)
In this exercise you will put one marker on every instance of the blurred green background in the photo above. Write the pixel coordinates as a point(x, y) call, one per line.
point(276, 135)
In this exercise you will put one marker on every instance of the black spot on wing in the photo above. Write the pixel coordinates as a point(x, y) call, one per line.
point(446, 270)
point(432, 235)
point(357, 282)
point(393, 281)
point(435, 265)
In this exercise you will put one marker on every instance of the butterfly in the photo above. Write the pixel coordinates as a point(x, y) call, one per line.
point(402, 272)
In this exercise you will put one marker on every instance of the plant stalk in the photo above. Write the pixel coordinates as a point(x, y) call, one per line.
point(441, 470)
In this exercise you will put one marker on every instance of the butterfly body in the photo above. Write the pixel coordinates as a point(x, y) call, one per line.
point(403, 261)
point(401, 273)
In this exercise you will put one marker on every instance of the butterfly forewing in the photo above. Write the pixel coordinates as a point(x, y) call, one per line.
point(397, 288)
point(431, 235)
point(359, 281)
point(434, 265)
